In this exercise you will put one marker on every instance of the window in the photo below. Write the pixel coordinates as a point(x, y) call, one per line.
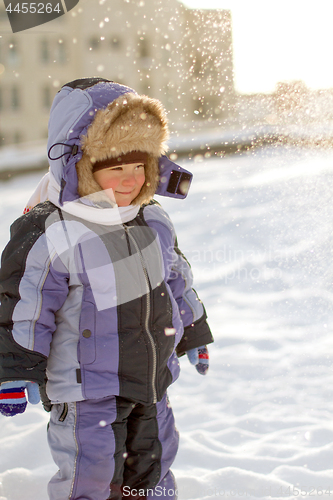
point(53, 51)
point(115, 43)
point(46, 97)
point(60, 52)
point(15, 98)
point(13, 56)
point(143, 47)
point(3, 138)
point(45, 55)
point(94, 43)
point(17, 137)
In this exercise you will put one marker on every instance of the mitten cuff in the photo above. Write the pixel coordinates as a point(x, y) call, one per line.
point(12, 399)
point(195, 335)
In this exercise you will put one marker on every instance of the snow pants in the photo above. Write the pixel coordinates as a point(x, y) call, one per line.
point(112, 448)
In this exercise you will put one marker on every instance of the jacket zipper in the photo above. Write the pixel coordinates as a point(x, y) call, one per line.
point(64, 413)
point(150, 337)
point(76, 452)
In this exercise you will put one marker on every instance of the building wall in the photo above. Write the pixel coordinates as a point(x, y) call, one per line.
point(33, 64)
point(182, 57)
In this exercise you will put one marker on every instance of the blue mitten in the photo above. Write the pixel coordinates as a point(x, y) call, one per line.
point(200, 358)
point(12, 397)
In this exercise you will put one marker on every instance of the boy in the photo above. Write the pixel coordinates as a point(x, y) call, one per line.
point(96, 298)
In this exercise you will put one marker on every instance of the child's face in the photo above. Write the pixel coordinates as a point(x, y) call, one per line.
point(126, 181)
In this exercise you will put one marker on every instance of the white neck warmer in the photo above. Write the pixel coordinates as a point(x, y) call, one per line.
point(49, 189)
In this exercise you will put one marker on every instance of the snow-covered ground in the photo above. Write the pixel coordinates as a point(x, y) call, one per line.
point(257, 229)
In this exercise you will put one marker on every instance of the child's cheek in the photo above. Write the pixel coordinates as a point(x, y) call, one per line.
point(111, 184)
point(142, 180)
point(108, 182)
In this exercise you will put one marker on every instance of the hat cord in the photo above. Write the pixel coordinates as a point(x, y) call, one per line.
point(73, 152)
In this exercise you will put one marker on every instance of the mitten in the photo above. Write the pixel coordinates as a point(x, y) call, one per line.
point(200, 358)
point(12, 397)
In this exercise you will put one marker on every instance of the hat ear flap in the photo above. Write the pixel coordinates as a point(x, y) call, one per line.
point(86, 181)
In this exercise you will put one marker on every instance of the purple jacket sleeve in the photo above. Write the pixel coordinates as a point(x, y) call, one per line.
point(180, 280)
point(32, 289)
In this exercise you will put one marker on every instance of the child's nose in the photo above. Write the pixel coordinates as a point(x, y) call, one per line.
point(129, 180)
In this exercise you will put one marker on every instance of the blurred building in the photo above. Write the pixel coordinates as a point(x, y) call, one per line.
point(181, 56)
point(33, 65)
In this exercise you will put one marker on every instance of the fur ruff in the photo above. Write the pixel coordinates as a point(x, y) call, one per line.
point(131, 122)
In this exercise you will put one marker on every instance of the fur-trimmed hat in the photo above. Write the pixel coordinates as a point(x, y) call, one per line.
point(129, 123)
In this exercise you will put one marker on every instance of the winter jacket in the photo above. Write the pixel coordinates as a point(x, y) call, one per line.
point(93, 308)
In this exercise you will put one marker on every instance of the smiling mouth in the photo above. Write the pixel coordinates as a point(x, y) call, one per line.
point(127, 192)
